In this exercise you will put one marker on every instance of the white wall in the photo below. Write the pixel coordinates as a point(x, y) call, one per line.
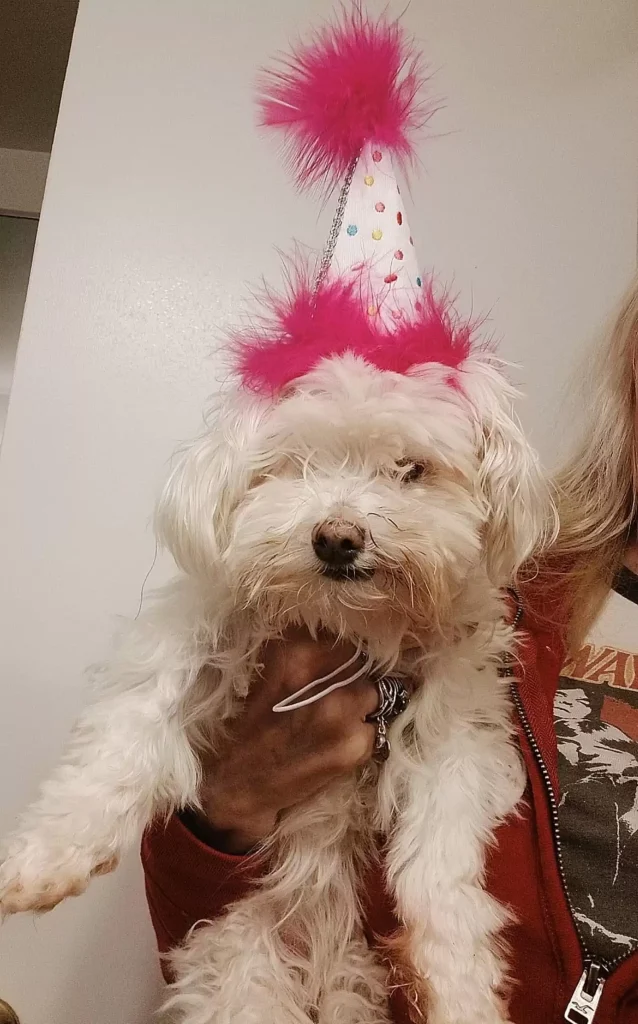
point(162, 202)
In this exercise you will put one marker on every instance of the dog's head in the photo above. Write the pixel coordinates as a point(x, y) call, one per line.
point(360, 492)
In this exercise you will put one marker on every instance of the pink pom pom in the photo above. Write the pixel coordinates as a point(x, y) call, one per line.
point(300, 329)
point(357, 81)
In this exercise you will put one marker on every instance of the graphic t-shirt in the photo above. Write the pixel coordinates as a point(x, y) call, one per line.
point(596, 717)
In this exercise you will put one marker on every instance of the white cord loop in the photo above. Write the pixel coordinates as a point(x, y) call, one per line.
point(292, 702)
point(393, 699)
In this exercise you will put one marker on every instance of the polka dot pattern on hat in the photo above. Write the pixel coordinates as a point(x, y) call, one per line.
point(374, 243)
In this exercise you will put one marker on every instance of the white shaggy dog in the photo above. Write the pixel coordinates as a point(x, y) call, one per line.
point(447, 502)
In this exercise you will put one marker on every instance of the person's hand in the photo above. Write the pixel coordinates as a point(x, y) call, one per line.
point(272, 761)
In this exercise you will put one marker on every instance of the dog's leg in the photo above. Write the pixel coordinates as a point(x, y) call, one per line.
point(292, 952)
point(127, 759)
point(356, 990)
point(236, 971)
point(464, 777)
point(247, 969)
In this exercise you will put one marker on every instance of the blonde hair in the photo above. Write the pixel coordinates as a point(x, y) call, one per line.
point(597, 487)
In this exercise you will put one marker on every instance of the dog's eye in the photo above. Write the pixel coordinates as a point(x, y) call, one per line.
point(411, 470)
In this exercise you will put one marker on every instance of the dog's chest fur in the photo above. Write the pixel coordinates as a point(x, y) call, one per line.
point(453, 775)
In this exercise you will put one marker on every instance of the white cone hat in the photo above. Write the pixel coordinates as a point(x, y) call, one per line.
point(374, 245)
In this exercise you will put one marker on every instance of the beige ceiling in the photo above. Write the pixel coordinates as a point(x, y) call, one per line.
point(35, 37)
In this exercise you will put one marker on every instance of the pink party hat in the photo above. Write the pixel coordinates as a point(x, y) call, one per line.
point(348, 104)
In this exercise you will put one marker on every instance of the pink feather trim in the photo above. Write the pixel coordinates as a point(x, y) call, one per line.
point(302, 329)
point(357, 81)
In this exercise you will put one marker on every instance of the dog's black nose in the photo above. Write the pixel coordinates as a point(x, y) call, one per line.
point(337, 542)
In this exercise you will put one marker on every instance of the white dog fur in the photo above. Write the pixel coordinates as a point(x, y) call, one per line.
point(237, 515)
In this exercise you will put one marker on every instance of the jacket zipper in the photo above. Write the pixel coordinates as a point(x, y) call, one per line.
point(582, 1006)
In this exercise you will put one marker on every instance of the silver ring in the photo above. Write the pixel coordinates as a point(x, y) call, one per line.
point(393, 700)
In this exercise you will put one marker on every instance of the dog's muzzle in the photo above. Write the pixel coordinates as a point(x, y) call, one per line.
point(338, 543)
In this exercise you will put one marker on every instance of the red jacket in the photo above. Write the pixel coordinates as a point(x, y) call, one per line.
point(187, 881)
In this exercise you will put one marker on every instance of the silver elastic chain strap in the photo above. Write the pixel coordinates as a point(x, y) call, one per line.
point(335, 227)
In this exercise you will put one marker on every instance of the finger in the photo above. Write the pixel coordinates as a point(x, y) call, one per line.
point(340, 713)
point(357, 748)
point(365, 694)
point(346, 751)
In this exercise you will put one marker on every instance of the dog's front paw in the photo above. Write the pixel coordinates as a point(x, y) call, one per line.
point(35, 877)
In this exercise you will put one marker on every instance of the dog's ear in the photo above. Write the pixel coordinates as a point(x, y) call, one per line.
point(211, 476)
point(520, 511)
